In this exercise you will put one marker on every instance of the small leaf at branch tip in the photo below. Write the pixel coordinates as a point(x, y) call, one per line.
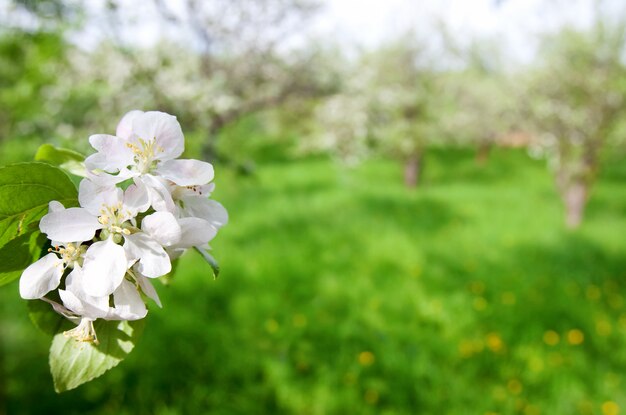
point(211, 261)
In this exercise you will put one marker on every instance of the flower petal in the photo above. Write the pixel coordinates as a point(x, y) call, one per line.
point(55, 206)
point(125, 127)
point(153, 261)
point(128, 303)
point(207, 209)
point(81, 307)
point(104, 268)
point(147, 288)
point(164, 129)
point(137, 197)
point(179, 192)
point(70, 225)
point(113, 153)
point(75, 283)
point(195, 232)
point(93, 196)
point(162, 227)
point(41, 277)
point(62, 310)
point(185, 172)
point(105, 179)
point(160, 197)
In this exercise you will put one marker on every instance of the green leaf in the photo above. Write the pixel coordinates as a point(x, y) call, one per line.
point(212, 262)
point(18, 254)
point(67, 159)
point(73, 363)
point(25, 191)
point(56, 155)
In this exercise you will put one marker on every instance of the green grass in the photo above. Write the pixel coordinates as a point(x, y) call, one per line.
point(342, 292)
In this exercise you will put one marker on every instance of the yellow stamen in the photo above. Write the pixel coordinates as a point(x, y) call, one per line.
point(84, 332)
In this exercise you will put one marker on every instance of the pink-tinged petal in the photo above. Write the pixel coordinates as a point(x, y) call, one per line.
point(93, 196)
point(113, 153)
point(162, 227)
point(148, 289)
point(128, 303)
point(207, 209)
point(137, 197)
point(70, 225)
point(185, 172)
point(41, 277)
point(104, 268)
point(125, 127)
point(164, 129)
point(196, 232)
point(153, 261)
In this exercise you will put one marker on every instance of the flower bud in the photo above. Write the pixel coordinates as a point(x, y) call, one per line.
point(117, 238)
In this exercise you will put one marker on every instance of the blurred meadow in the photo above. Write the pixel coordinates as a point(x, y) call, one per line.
point(429, 219)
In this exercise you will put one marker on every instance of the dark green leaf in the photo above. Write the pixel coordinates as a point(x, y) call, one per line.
point(25, 191)
point(46, 319)
point(18, 254)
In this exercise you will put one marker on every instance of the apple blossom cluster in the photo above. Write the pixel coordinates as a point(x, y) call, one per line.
point(140, 208)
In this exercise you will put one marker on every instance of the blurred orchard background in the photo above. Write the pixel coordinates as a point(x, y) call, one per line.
point(427, 200)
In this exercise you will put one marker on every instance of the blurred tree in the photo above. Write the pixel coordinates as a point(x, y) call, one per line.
point(42, 96)
point(407, 102)
point(484, 103)
point(342, 128)
point(574, 101)
point(53, 10)
point(340, 124)
point(29, 64)
point(240, 57)
point(390, 102)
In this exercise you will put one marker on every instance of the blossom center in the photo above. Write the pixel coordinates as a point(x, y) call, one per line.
point(113, 218)
point(145, 154)
point(84, 332)
point(70, 253)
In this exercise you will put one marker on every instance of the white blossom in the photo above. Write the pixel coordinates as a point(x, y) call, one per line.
point(145, 149)
point(106, 252)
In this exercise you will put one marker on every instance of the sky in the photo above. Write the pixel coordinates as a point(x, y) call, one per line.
point(370, 22)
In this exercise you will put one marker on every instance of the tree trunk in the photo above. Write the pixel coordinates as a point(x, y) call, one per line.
point(413, 169)
point(482, 153)
point(575, 200)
